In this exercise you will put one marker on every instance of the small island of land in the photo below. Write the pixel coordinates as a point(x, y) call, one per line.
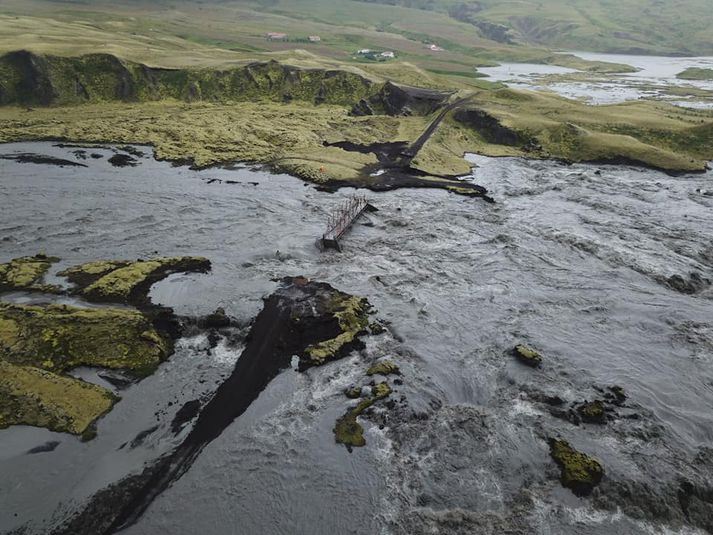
point(696, 73)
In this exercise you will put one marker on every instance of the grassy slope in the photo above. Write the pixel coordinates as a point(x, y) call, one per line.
point(694, 73)
point(671, 26)
point(190, 33)
point(649, 26)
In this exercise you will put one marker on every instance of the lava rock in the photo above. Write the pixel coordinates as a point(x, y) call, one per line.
point(592, 412)
point(579, 472)
point(385, 367)
point(217, 320)
point(123, 160)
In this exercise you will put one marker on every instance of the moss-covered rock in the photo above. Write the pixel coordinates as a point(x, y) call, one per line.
point(352, 317)
point(26, 273)
point(527, 355)
point(32, 396)
point(59, 338)
point(353, 392)
point(128, 282)
point(348, 430)
point(84, 274)
point(579, 472)
point(592, 412)
point(384, 367)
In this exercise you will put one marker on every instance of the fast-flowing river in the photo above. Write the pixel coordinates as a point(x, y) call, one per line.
point(574, 260)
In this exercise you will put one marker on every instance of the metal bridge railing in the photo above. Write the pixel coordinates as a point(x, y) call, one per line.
point(342, 218)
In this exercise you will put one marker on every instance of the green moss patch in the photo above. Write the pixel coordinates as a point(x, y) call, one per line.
point(527, 355)
point(579, 472)
point(59, 338)
point(348, 430)
point(593, 412)
point(384, 367)
point(26, 273)
point(352, 315)
point(128, 282)
point(85, 274)
point(32, 396)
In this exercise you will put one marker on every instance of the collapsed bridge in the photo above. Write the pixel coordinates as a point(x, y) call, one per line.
point(342, 219)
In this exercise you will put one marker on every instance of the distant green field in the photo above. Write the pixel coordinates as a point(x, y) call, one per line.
point(626, 26)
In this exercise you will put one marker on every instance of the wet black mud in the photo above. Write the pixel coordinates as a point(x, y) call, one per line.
point(41, 159)
point(395, 171)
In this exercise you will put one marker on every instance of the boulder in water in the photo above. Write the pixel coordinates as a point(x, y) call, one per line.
point(579, 472)
point(527, 355)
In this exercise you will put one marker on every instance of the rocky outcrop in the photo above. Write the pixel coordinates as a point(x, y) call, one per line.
point(384, 367)
point(298, 317)
point(26, 273)
point(527, 355)
point(397, 99)
point(44, 80)
point(348, 430)
point(41, 398)
point(579, 472)
point(123, 281)
point(489, 128)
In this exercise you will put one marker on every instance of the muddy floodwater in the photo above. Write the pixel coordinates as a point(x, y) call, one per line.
point(655, 79)
point(605, 269)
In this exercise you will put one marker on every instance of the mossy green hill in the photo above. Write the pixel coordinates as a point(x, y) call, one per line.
point(632, 26)
point(289, 114)
point(31, 79)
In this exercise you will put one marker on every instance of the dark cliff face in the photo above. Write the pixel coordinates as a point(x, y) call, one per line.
point(489, 127)
point(31, 79)
point(395, 99)
point(25, 79)
point(28, 79)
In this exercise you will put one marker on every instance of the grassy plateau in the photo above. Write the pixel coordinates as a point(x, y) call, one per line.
point(201, 82)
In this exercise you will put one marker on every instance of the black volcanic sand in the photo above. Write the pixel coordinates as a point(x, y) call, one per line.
point(293, 318)
point(394, 171)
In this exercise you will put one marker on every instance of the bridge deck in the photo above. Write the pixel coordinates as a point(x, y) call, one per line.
point(342, 219)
